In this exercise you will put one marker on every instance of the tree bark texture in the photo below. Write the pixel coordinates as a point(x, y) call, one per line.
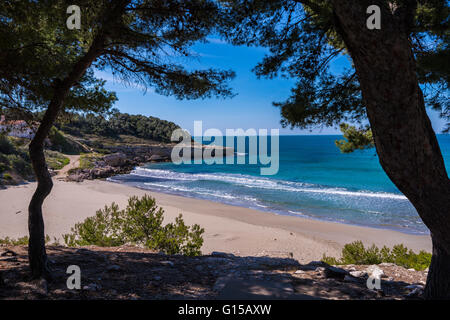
point(404, 138)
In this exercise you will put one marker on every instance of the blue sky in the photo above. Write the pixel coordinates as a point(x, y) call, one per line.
point(250, 108)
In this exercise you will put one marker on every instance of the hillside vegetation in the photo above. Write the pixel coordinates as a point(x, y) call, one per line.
point(85, 134)
point(15, 166)
point(356, 253)
point(117, 126)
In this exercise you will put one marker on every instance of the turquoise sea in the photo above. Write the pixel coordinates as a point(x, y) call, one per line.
point(314, 180)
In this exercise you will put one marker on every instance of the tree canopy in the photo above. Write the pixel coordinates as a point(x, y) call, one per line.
point(143, 43)
point(36, 53)
point(117, 123)
point(303, 40)
point(395, 72)
point(45, 66)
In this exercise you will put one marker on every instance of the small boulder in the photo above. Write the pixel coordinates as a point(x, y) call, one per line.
point(222, 254)
point(414, 286)
point(387, 264)
point(334, 272)
point(168, 263)
point(115, 159)
point(319, 269)
point(375, 272)
point(417, 292)
point(8, 253)
point(358, 274)
point(92, 287)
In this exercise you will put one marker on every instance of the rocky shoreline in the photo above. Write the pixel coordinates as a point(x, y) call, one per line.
point(123, 159)
point(120, 160)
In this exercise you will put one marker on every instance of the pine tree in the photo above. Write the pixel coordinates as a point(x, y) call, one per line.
point(45, 66)
point(396, 71)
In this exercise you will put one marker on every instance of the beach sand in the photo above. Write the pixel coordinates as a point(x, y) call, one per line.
point(228, 228)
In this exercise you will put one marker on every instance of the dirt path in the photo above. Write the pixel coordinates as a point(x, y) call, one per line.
point(74, 163)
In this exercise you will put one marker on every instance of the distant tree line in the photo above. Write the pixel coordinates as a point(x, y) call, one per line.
point(119, 124)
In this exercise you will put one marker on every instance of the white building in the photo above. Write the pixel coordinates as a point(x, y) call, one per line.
point(16, 128)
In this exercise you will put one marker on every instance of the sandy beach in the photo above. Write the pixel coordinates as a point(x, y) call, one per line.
point(228, 228)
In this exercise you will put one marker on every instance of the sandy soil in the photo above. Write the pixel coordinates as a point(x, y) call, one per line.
point(228, 228)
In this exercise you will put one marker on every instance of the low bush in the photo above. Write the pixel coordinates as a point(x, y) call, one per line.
point(7, 177)
point(87, 160)
point(356, 253)
point(23, 241)
point(56, 160)
point(140, 223)
point(14, 159)
point(6, 146)
point(60, 142)
point(21, 165)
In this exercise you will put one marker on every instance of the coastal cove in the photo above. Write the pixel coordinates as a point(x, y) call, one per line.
point(315, 181)
point(233, 229)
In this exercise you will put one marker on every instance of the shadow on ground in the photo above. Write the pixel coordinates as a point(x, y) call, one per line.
point(134, 273)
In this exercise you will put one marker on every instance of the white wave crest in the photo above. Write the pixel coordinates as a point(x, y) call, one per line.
point(260, 183)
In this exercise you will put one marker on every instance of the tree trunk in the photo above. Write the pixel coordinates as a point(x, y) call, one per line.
point(438, 280)
point(36, 247)
point(404, 138)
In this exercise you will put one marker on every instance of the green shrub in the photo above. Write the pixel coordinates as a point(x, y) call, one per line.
point(23, 241)
point(62, 143)
point(6, 146)
point(140, 223)
point(7, 177)
point(21, 165)
point(356, 253)
point(14, 157)
point(178, 238)
point(87, 160)
point(102, 230)
point(56, 160)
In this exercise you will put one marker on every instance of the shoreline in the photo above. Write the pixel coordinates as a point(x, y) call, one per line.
point(277, 213)
point(229, 228)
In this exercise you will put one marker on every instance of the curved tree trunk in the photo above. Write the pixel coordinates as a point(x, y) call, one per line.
point(404, 138)
point(36, 247)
